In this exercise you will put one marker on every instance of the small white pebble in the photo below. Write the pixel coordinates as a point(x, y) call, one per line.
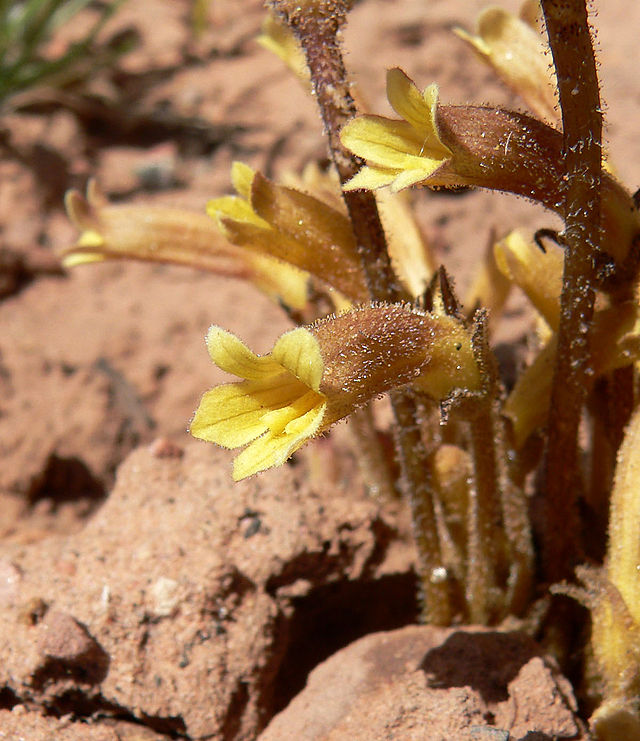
point(165, 596)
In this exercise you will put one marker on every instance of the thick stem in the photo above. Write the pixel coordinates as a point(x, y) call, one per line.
point(575, 65)
point(483, 519)
point(486, 544)
point(436, 605)
point(316, 24)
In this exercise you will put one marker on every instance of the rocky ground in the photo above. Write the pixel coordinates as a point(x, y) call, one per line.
point(143, 595)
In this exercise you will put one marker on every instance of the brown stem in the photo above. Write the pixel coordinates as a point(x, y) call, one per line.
point(610, 404)
point(370, 455)
point(620, 402)
point(436, 607)
point(316, 24)
point(483, 518)
point(574, 60)
point(486, 545)
point(516, 522)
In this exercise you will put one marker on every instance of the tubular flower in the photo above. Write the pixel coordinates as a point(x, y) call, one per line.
point(612, 594)
point(399, 153)
point(455, 146)
point(321, 373)
point(286, 224)
point(279, 39)
point(411, 255)
point(517, 52)
point(167, 235)
point(615, 343)
point(538, 274)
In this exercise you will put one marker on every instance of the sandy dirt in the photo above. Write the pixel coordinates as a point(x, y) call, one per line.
point(143, 595)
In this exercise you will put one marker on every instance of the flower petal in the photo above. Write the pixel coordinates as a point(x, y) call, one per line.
point(269, 451)
point(82, 257)
point(384, 141)
point(371, 178)
point(234, 414)
point(406, 100)
point(407, 178)
point(285, 418)
point(236, 208)
point(228, 416)
point(230, 354)
point(538, 274)
point(178, 237)
point(417, 108)
point(242, 177)
point(299, 352)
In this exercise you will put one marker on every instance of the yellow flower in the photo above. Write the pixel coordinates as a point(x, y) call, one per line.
point(615, 343)
point(519, 55)
point(537, 273)
point(278, 38)
point(453, 146)
point(450, 146)
point(319, 374)
point(612, 594)
point(286, 224)
point(412, 257)
point(274, 410)
point(169, 235)
point(399, 153)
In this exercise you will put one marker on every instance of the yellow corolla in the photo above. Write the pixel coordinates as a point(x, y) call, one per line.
point(274, 410)
point(321, 373)
point(286, 224)
point(452, 146)
point(520, 56)
point(171, 235)
point(398, 153)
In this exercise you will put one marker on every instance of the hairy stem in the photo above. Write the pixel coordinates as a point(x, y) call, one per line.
point(370, 454)
point(574, 60)
point(486, 543)
point(516, 522)
point(436, 602)
point(483, 518)
point(316, 24)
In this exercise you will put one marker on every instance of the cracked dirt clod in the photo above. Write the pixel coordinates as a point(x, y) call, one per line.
point(30, 725)
point(63, 638)
point(182, 613)
point(440, 684)
point(84, 373)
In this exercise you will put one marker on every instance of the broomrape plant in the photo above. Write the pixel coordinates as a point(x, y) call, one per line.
point(376, 313)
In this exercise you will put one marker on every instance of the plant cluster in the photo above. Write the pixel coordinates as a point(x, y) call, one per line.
point(341, 253)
